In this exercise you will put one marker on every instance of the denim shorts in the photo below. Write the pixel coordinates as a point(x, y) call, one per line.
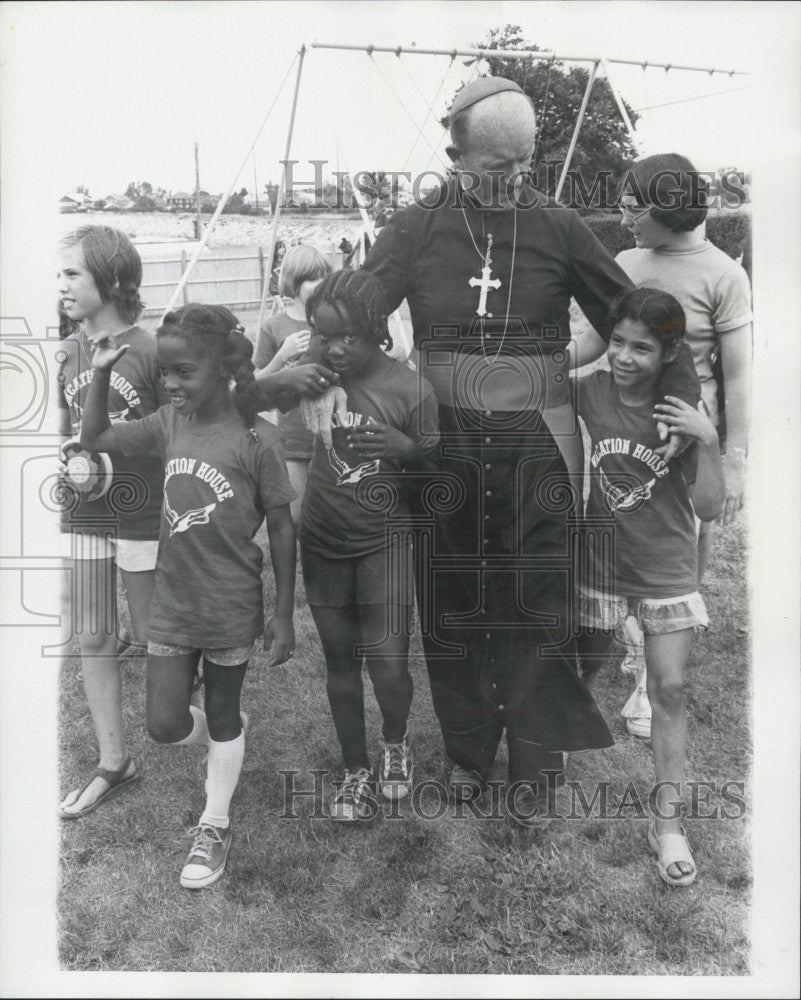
point(655, 616)
point(229, 656)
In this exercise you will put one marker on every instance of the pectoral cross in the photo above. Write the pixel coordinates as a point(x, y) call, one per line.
point(485, 282)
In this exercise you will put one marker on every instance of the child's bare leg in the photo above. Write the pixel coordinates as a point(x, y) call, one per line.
point(388, 664)
point(94, 618)
point(139, 590)
point(704, 548)
point(298, 475)
point(666, 657)
point(340, 635)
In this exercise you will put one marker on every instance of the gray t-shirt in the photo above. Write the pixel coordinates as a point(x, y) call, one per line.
point(338, 521)
point(219, 481)
point(135, 391)
point(656, 550)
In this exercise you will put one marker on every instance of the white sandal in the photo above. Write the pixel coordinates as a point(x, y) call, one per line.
point(671, 848)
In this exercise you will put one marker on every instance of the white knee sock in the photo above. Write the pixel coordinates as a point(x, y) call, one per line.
point(200, 731)
point(224, 767)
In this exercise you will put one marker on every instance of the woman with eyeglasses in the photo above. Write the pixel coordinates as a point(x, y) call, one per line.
point(665, 208)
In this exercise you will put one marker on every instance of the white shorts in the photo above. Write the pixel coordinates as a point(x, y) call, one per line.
point(131, 555)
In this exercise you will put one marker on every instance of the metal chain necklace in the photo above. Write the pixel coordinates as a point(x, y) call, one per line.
point(486, 282)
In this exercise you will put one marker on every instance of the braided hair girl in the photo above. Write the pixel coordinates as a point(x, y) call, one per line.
point(219, 334)
point(357, 572)
point(357, 295)
point(221, 481)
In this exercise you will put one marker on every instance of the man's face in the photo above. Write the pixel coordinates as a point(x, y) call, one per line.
point(496, 149)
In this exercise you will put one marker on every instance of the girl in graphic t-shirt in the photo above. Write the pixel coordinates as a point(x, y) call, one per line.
point(358, 578)
point(672, 253)
point(99, 273)
point(281, 341)
point(223, 474)
point(649, 506)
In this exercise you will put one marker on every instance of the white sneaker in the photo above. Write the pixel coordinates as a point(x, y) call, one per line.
point(395, 770)
point(355, 797)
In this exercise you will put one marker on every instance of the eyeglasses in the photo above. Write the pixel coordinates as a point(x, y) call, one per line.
point(632, 213)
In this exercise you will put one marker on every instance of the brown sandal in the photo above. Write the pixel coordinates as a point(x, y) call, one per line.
point(116, 782)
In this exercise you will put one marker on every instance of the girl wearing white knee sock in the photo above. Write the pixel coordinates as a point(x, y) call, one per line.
point(224, 473)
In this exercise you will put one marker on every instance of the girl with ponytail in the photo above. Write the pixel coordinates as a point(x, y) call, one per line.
point(224, 472)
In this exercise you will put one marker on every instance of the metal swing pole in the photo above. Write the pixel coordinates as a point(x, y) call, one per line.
point(574, 140)
point(514, 54)
point(394, 321)
point(221, 205)
point(265, 292)
point(620, 105)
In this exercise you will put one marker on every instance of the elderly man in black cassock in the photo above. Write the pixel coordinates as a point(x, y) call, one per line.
point(488, 267)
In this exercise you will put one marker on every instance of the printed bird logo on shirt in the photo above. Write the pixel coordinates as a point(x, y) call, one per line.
point(183, 522)
point(619, 497)
point(347, 475)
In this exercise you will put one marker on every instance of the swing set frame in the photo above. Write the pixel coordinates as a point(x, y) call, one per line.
point(595, 62)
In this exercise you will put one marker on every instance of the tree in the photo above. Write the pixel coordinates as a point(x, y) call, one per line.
point(237, 204)
point(141, 194)
point(557, 92)
point(139, 189)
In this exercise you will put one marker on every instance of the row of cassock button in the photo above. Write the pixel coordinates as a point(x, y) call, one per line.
point(487, 517)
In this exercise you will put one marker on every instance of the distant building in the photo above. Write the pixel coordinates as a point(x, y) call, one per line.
point(181, 201)
point(74, 202)
point(118, 203)
point(68, 204)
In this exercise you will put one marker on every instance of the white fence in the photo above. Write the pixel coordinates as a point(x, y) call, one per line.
point(230, 276)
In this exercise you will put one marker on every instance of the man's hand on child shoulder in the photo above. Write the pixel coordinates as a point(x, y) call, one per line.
point(104, 354)
point(686, 421)
point(279, 639)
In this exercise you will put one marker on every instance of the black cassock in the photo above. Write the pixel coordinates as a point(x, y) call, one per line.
point(495, 576)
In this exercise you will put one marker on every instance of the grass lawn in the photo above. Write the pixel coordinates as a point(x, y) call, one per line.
point(406, 893)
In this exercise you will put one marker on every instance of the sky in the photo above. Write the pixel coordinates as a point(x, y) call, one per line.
point(122, 91)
